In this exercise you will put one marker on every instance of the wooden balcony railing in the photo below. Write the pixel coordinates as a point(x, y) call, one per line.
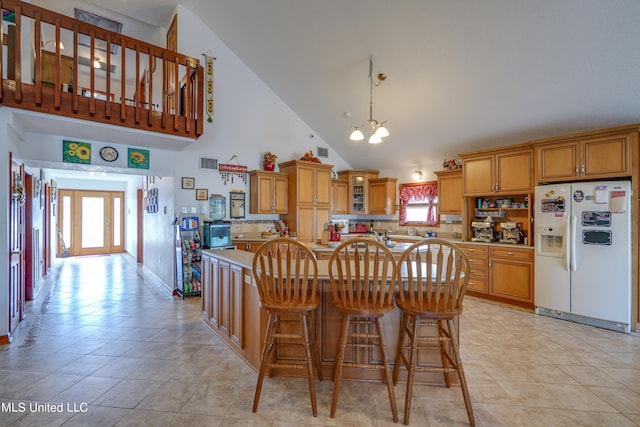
point(138, 85)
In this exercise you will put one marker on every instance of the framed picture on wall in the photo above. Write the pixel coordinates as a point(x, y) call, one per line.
point(202, 194)
point(188, 183)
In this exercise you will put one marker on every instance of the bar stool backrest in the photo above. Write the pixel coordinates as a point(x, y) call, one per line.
point(362, 273)
point(433, 276)
point(286, 274)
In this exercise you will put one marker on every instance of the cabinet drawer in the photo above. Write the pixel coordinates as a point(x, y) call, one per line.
point(475, 251)
point(519, 254)
point(477, 285)
point(478, 272)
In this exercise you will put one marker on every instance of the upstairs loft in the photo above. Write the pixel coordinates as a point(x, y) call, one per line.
point(53, 64)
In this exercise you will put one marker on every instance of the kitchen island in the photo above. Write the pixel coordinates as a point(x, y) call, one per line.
point(231, 309)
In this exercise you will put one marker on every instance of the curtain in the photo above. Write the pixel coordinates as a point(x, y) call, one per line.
point(425, 192)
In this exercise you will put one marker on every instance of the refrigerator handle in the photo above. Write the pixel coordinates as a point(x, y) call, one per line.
point(567, 245)
point(574, 226)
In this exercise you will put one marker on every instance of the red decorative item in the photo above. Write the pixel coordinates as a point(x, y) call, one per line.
point(269, 166)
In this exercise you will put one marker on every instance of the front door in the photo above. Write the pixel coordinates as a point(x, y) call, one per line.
point(91, 222)
point(18, 194)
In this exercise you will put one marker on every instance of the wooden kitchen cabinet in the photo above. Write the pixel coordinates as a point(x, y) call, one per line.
point(268, 192)
point(479, 262)
point(309, 201)
point(223, 290)
point(339, 196)
point(358, 180)
point(450, 191)
point(500, 272)
point(245, 245)
point(595, 155)
point(511, 273)
point(382, 196)
point(498, 172)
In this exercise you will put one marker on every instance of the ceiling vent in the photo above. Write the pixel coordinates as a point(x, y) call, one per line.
point(323, 152)
point(211, 164)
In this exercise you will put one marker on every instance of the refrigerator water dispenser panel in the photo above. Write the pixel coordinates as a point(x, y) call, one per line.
point(551, 240)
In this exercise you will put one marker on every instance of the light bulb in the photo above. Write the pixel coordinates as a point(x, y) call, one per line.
point(96, 63)
point(417, 175)
point(375, 139)
point(382, 131)
point(356, 135)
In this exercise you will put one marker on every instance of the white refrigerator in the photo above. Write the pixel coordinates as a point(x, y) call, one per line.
point(583, 253)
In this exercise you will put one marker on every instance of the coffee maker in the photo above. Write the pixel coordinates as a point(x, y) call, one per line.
point(511, 232)
point(483, 231)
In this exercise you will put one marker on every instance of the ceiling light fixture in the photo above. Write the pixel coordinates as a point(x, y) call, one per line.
point(417, 175)
point(96, 63)
point(378, 130)
point(60, 44)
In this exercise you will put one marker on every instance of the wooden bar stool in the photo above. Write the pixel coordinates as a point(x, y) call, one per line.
point(286, 274)
point(362, 273)
point(432, 277)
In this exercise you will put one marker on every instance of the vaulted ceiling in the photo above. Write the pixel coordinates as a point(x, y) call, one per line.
point(461, 75)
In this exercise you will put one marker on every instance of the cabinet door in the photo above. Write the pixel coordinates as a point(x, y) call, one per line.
point(382, 196)
point(306, 223)
point(205, 299)
point(558, 162)
point(235, 305)
point(224, 272)
point(263, 196)
point(323, 186)
point(279, 195)
point(339, 196)
point(214, 294)
point(450, 194)
point(514, 172)
point(478, 176)
point(306, 184)
point(511, 280)
point(322, 216)
point(606, 157)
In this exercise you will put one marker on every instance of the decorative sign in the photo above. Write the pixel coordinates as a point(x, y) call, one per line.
point(208, 78)
point(231, 173)
point(138, 158)
point(76, 152)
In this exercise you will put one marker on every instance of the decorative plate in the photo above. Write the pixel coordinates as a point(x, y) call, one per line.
point(108, 154)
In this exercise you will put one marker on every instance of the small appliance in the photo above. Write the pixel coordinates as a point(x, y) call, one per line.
point(483, 231)
point(511, 232)
point(217, 235)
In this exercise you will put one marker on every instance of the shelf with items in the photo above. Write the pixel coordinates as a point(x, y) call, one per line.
point(188, 258)
point(500, 219)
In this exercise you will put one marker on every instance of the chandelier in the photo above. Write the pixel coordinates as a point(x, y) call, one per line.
point(378, 130)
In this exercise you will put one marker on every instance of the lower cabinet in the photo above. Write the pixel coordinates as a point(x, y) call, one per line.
point(500, 272)
point(223, 298)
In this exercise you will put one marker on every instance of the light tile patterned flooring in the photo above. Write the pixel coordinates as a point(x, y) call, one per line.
point(114, 348)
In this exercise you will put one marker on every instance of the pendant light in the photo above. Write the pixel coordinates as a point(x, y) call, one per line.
point(378, 129)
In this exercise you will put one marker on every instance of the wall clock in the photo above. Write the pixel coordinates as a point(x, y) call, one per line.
point(108, 154)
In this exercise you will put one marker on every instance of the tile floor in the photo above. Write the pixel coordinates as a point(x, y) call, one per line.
point(105, 345)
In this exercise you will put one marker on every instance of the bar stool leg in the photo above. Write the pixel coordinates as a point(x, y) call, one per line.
point(346, 320)
point(308, 358)
point(461, 375)
point(410, 368)
point(400, 348)
point(387, 369)
point(267, 347)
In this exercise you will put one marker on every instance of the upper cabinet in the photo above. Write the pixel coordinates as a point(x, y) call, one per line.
point(339, 196)
point(358, 181)
point(450, 191)
point(268, 192)
point(382, 196)
point(594, 155)
point(309, 205)
point(497, 171)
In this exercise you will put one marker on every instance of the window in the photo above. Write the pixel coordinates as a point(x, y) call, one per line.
point(419, 203)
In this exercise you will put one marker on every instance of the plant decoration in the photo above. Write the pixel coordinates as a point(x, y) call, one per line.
point(450, 164)
point(269, 161)
point(309, 157)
